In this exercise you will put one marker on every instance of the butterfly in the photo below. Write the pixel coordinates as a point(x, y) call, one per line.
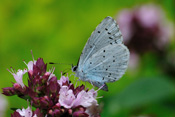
point(104, 57)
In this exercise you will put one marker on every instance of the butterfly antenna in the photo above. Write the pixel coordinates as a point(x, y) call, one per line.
point(77, 82)
point(66, 71)
point(60, 63)
point(74, 81)
point(32, 55)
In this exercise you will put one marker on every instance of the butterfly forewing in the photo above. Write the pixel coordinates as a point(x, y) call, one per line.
point(107, 32)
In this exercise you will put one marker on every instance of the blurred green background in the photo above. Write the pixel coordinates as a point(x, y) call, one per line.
point(57, 31)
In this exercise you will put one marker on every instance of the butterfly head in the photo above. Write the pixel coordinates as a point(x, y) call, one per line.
point(74, 68)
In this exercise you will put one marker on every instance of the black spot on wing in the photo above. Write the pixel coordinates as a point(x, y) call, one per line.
point(110, 38)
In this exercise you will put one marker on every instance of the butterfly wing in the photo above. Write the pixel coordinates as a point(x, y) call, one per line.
point(104, 57)
point(108, 64)
point(107, 32)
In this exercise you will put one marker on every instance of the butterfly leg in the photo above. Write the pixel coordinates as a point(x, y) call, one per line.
point(92, 84)
point(100, 85)
point(85, 85)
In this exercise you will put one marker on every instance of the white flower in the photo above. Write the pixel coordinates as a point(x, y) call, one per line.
point(30, 65)
point(51, 73)
point(26, 112)
point(18, 76)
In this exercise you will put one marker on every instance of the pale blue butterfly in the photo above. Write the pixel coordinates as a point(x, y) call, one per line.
point(104, 57)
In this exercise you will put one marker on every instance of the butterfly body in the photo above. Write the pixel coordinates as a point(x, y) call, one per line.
point(104, 57)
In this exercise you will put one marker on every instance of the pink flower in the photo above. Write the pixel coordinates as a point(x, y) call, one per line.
point(18, 76)
point(67, 97)
point(149, 15)
point(86, 99)
point(63, 80)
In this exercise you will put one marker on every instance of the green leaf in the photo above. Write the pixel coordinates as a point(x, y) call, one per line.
point(140, 92)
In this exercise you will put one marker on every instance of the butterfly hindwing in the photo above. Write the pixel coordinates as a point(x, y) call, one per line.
point(108, 64)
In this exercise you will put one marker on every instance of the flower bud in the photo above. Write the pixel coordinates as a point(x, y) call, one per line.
point(8, 91)
point(80, 114)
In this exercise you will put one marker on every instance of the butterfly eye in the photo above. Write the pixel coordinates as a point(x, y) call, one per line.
point(74, 68)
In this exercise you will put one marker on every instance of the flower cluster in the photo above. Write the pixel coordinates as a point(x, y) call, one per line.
point(144, 29)
point(51, 97)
